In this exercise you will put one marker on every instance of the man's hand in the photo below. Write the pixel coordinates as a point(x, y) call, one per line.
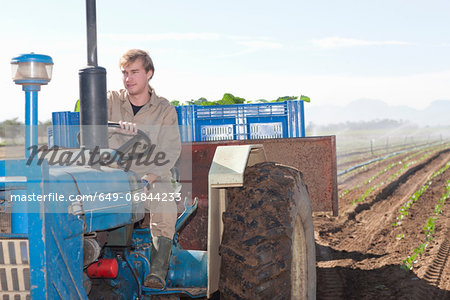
point(125, 128)
point(150, 178)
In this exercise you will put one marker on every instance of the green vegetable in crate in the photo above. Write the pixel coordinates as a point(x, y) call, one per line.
point(285, 98)
point(230, 99)
point(305, 98)
point(77, 106)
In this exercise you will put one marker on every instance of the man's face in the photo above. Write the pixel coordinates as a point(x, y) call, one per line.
point(135, 79)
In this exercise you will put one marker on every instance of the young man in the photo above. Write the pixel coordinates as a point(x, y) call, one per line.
point(138, 106)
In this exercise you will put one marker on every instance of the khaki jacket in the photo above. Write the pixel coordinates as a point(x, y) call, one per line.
point(157, 118)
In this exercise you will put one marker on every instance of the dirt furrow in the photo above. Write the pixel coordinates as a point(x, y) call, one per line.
point(363, 251)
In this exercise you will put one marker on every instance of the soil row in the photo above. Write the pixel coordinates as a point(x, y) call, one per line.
point(360, 252)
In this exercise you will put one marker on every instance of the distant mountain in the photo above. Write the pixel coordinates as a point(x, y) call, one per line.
point(437, 113)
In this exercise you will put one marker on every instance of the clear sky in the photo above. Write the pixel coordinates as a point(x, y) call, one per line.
point(333, 51)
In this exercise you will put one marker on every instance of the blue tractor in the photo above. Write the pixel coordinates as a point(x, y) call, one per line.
point(74, 230)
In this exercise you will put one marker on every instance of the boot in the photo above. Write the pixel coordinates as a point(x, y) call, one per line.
point(159, 263)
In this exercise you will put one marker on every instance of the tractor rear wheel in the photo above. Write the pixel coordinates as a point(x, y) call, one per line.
point(268, 248)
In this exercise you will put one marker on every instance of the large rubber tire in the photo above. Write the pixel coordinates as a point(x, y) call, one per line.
point(268, 247)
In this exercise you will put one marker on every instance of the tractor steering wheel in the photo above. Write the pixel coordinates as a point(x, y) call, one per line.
point(131, 142)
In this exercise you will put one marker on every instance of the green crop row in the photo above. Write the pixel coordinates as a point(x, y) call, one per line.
point(428, 148)
point(403, 211)
point(390, 166)
point(392, 177)
point(409, 262)
point(374, 163)
point(429, 230)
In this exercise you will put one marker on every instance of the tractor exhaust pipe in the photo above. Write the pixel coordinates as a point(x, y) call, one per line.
point(93, 104)
point(91, 25)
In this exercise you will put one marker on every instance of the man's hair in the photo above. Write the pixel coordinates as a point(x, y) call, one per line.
point(133, 54)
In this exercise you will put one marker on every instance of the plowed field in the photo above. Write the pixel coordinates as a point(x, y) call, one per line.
point(360, 252)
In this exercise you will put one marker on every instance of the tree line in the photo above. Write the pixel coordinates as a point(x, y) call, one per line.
point(14, 128)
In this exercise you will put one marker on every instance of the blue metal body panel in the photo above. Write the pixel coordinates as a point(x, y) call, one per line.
point(55, 227)
point(19, 216)
point(104, 194)
point(187, 269)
